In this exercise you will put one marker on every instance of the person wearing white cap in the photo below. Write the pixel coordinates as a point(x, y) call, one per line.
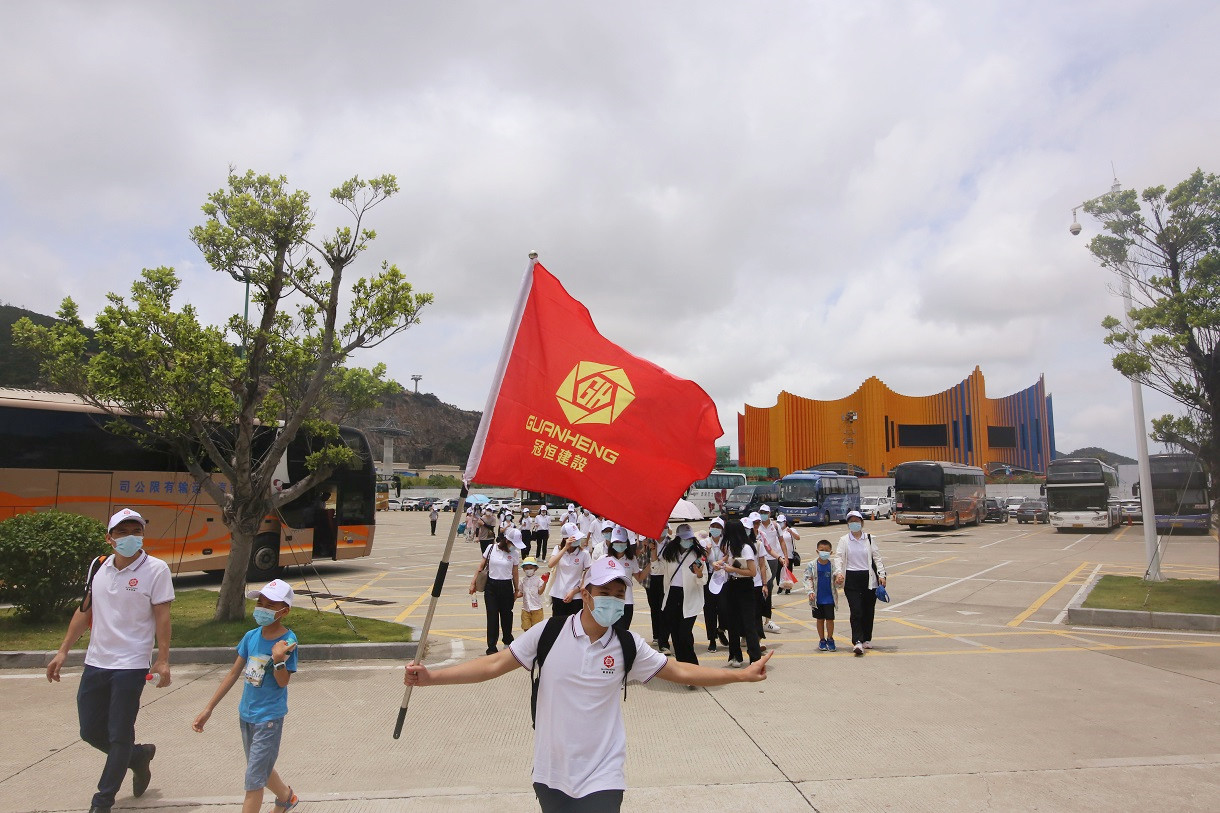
point(682, 564)
point(580, 744)
point(569, 561)
point(540, 527)
point(788, 537)
point(766, 533)
point(713, 598)
point(739, 564)
point(125, 610)
point(502, 562)
point(266, 660)
point(858, 570)
point(486, 526)
point(623, 549)
point(655, 590)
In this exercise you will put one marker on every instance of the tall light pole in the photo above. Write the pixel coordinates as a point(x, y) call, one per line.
point(1151, 548)
point(416, 379)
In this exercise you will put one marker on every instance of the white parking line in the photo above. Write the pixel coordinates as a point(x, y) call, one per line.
point(1078, 541)
point(1005, 539)
point(893, 607)
point(1063, 613)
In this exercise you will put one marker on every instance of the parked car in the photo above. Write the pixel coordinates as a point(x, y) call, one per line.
point(1033, 511)
point(1012, 504)
point(1131, 510)
point(410, 504)
point(876, 507)
point(744, 500)
point(996, 511)
point(394, 504)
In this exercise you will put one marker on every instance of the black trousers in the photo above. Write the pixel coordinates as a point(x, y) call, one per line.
point(773, 571)
point(107, 702)
point(556, 801)
point(484, 544)
point(624, 623)
point(741, 618)
point(711, 614)
point(863, 604)
point(762, 609)
point(562, 609)
point(541, 538)
point(656, 595)
point(681, 629)
point(498, 600)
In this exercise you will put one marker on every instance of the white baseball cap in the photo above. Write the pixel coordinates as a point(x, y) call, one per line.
point(619, 534)
point(684, 532)
point(274, 590)
point(754, 517)
point(123, 516)
point(718, 521)
point(513, 535)
point(855, 514)
point(607, 569)
point(764, 508)
point(781, 519)
point(570, 531)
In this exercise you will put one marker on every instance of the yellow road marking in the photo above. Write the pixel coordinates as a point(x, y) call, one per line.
point(398, 619)
point(1125, 528)
point(1021, 651)
point(921, 567)
point(1037, 605)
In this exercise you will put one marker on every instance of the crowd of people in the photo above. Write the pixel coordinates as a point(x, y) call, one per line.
point(730, 573)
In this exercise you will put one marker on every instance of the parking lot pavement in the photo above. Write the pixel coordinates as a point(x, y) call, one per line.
point(975, 698)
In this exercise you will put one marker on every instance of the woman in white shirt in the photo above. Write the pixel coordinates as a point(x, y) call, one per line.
point(858, 570)
point(738, 562)
point(623, 550)
point(570, 560)
point(501, 561)
point(682, 566)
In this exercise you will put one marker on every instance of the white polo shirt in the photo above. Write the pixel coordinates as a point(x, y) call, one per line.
point(500, 563)
point(580, 744)
point(124, 629)
point(570, 572)
point(769, 533)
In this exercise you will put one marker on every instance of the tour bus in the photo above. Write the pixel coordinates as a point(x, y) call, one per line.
point(55, 453)
point(938, 493)
point(383, 493)
point(711, 493)
point(1179, 493)
point(819, 497)
point(1079, 492)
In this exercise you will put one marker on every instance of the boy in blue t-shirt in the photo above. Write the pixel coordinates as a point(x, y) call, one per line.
point(823, 595)
point(266, 659)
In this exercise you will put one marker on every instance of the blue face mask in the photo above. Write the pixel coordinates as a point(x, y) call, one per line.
point(608, 609)
point(686, 543)
point(823, 554)
point(263, 616)
point(715, 532)
point(128, 545)
point(855, 527)
point(619, 547)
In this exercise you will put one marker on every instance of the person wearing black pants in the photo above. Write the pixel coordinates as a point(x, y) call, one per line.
point(740, 606)
point(655, 591)
point(682, 566)
point(542, 537)
point(859, 569)
point(502, 563)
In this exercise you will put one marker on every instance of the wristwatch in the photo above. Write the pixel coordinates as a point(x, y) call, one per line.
point(278, 665)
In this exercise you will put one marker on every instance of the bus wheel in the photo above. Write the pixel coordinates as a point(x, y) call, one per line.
point(264, 558)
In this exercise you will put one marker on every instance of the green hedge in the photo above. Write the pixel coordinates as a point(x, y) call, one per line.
point(43, 560)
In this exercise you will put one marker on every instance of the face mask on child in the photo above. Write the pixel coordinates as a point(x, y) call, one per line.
point(823, 554)
point(263, 616)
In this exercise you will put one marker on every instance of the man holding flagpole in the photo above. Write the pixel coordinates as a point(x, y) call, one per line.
point(580, 744)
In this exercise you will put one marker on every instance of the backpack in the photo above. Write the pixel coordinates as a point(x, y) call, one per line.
point(86, 600)
point(550, 633)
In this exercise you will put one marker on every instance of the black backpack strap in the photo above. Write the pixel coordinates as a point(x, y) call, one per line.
point(627, 642)
point(86, 600)
point(550, 633)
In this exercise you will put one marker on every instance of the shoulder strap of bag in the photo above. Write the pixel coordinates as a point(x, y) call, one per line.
point(550, 633)
point(627, 642)
point(86, 600)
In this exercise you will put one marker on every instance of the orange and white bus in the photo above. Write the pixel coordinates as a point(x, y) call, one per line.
point(55, 453)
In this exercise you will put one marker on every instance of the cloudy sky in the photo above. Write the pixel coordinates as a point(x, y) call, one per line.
point(757, 196)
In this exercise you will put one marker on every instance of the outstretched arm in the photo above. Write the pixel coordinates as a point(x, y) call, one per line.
point(475, 671)
point(695, 675)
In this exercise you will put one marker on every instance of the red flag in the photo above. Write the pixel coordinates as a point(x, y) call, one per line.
point(573, 414)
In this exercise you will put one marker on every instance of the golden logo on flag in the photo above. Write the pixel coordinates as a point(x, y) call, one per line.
point(595, 393)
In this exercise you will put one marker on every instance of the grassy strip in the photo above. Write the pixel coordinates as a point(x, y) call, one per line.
point(1171, 596)
point(193, 626)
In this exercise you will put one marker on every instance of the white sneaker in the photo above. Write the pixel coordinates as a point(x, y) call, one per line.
point(868, 644)
point(735, 664)
point(771, 626)
point(858, 650)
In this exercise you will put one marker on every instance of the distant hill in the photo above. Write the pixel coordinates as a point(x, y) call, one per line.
point(441, 434)
point(18, 367)
point(1110, 458)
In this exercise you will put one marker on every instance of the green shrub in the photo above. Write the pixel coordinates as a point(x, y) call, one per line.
point(43, 560)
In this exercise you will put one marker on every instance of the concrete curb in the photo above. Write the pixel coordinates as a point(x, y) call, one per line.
point(1094, 617)
point(225, 654)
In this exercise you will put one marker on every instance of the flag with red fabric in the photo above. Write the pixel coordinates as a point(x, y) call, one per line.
point(571, 413)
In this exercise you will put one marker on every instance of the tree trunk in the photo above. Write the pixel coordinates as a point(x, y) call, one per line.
point(231, 605)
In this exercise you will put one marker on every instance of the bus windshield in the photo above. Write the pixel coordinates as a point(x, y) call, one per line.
point(799, 492)
point(919, 478)
point(1078, 499)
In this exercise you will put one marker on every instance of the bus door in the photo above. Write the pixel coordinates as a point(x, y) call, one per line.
point(325, 531)
point(85, 492)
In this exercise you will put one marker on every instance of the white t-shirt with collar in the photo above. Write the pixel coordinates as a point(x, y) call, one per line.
point(500, 563)
point(580, 744)
point(769, 533)
point(124, 629)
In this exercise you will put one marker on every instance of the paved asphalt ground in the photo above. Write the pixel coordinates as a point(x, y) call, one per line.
point(977, 697)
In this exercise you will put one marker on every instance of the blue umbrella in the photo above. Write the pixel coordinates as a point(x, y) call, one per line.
point(478, 499)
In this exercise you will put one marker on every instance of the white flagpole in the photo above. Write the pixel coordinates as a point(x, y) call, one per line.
point(472, 464)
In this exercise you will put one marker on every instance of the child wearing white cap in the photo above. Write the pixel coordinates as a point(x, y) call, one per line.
point(267, 660)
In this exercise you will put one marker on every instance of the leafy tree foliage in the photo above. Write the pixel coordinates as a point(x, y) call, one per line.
point(43, 560)
point(1167, 244)
point(205, 390)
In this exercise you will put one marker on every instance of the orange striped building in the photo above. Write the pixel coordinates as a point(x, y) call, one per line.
point(960, 424)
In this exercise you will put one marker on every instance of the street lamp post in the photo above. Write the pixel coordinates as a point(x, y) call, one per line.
point(1151, 547)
